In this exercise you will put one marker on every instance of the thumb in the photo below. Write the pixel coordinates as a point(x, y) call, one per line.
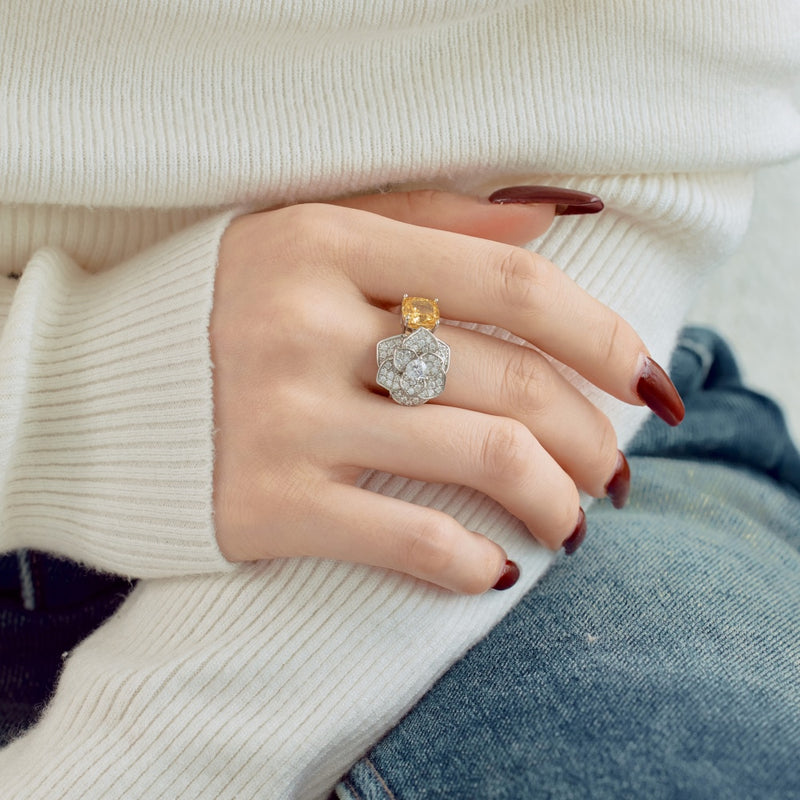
point(514, 216)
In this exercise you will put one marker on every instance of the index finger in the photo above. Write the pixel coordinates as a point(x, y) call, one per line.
point(472, 216)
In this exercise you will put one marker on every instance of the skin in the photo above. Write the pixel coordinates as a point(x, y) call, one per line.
point(302, 295)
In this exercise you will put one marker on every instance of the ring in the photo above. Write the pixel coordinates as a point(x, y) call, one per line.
point(412, 365)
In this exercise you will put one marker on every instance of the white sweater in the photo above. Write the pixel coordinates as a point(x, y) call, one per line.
point(130, 133)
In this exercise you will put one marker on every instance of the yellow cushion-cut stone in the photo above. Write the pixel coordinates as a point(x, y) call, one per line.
point(420, 312)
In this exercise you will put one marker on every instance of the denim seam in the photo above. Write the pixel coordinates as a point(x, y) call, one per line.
point(352, 789)
point(388, 791)
point(705, 354)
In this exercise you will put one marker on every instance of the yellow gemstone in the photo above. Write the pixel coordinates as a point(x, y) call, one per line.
point(420, 312)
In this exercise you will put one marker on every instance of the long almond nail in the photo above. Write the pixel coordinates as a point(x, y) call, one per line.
point(508, 577)
point(578, 535)
point(619, 487)
point(658, 392)
point(566, 201)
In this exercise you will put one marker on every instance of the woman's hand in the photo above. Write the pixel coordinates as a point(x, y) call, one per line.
point(304, 293)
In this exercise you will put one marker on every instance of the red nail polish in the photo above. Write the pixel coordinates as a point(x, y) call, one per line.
point(566, 201)
point(659, 393)
point(619, 487)
point(577, 537)
point(508, 577)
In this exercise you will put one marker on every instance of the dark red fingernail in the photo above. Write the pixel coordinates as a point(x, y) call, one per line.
point(508, 577)
point(619, 487)
point(577, 537)
point(659, 393)
point(567, 201)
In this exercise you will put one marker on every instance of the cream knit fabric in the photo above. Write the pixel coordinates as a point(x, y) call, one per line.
point(130, 133)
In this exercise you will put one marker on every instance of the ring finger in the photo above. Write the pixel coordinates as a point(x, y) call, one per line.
point(497, 377)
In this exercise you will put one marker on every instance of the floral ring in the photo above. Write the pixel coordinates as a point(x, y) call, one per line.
point(412, 365)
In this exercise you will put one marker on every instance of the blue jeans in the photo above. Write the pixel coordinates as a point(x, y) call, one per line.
point(663, 659)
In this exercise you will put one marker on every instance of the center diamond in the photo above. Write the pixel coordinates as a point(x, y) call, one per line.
point(417, 369)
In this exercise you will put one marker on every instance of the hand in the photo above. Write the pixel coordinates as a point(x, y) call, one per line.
point(302, 296)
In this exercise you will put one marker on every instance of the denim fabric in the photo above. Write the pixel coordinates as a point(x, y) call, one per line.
point(663, 659)
point(725, 421)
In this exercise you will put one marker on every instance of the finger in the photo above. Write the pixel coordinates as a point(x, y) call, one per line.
point(508, 380)
point(495, 455)
point(382, 531)
point(494, 283)
point(472, 216)
point(504, 379)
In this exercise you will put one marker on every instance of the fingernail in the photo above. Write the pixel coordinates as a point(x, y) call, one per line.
point(567, 201)
point(577, 537)
point(659, 393)
point(508, 577)
point(618, 488)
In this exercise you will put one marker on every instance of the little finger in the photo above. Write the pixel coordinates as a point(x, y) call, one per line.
point(386, 532)
point(495, 455)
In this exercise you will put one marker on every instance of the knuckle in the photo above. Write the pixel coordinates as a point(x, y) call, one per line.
point(309, 232)
point(295, 322)
point(279, 313)
point(483, 575)
point(608, 340)
point(304, 219)
point(420, 201)
point(431, 546)
point(506, 451)
point(520, 278)
point(525, 386)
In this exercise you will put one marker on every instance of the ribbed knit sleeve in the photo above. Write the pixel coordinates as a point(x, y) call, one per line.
point(106, 435)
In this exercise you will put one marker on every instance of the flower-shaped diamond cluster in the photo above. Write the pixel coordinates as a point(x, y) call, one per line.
point(412, 366)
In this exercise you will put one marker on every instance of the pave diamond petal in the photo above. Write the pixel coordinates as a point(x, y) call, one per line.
point(402, 356)
point(412, 366)
point(411, 384)
point(386, 347)
point(444, 354)
point(432, 362)
point(433, 388)
point(422, 341)
point(399, 396)
point(387, 376)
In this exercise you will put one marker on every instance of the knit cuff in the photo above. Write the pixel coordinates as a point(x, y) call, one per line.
point(107, 430)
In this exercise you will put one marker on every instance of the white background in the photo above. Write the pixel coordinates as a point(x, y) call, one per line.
point(754, 299)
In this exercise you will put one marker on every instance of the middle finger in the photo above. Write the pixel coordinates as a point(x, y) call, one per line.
point(498, 284)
